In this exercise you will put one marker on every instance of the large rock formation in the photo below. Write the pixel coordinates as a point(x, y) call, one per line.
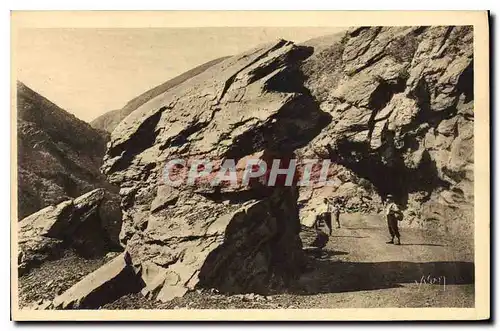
point(390, 107)
point(83, 224)
point(108, 121)
point(401, 100)
point(58, 155)
point(237, 239)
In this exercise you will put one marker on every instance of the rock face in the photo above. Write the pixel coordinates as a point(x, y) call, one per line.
point(401, 100)
point(390, 107)
point(108, 121)
point(238, 238)
point(83, 224)
point(58, 155)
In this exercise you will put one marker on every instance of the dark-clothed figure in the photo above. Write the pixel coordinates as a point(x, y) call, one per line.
point(324, 215)
point(337, 209)
point(393, 215)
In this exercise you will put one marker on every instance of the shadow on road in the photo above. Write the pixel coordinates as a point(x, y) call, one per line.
point(362, 228)
point(350, 237)
point(322, 254)
point(336, 276)
point(423, 244)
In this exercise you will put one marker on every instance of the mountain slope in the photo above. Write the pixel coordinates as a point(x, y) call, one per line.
point(58, 155)
point(108, 121)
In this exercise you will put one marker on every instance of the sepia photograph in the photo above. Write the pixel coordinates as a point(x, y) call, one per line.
point(192, 171)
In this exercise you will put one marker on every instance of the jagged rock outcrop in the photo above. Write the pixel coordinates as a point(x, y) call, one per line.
point(391, 107)
point(401, 99)
point(236, 239)
point(83, 224)
point(109, 121)
point(58, 155)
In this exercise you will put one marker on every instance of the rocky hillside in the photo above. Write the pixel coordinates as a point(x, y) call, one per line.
point(391, 107)
point(108, 121)
point(58, 155)
point(73, 210)
point(401, 104)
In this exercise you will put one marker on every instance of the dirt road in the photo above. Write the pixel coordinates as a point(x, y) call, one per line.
point(359, 269)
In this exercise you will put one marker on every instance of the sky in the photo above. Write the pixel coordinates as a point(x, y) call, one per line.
point(89, 71)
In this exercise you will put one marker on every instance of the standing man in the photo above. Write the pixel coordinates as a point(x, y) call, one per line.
point(327, 216)
point(393, 215)
point(337, 208)
point(324, 215)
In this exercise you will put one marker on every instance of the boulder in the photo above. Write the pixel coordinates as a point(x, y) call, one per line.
point(241, 238)
point(312, 238)
point(73, 223)
point(106, 284)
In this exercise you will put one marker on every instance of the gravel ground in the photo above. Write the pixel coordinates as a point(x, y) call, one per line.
point(408, 295)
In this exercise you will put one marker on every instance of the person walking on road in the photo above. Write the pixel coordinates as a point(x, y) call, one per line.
point(393, 215)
